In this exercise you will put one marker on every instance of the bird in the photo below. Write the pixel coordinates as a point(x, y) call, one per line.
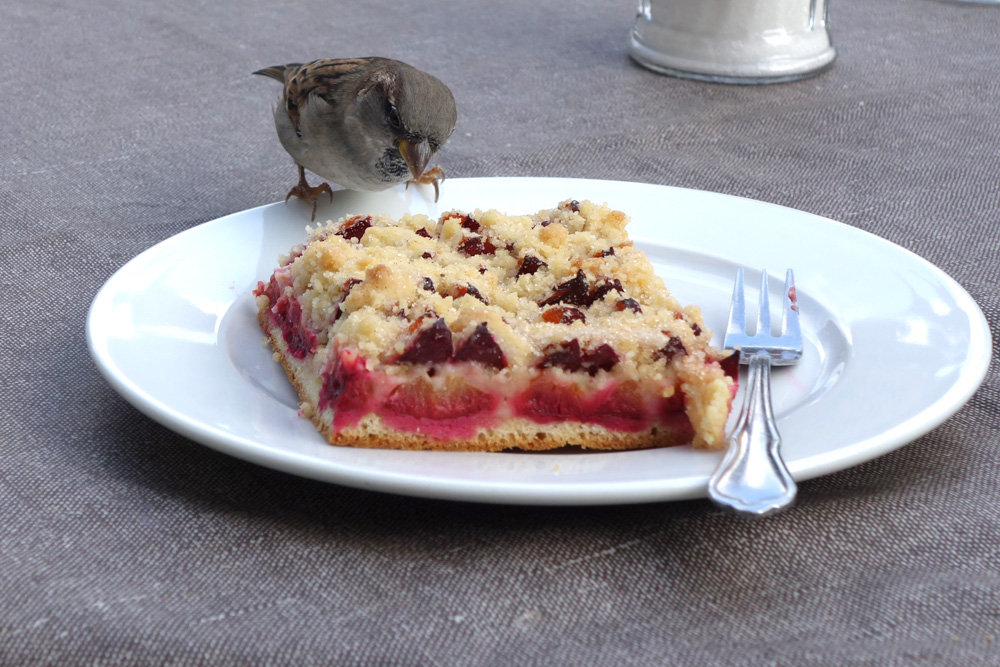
point(362, 123)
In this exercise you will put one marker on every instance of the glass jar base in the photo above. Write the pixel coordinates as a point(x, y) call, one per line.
point(774, 70)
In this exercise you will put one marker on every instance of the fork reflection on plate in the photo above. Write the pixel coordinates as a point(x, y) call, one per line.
point(752, 478)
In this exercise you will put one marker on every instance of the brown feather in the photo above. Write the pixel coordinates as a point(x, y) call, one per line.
point(277, 72)
point(313, 78)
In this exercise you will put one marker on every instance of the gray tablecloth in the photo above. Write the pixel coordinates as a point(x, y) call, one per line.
point(123, 543)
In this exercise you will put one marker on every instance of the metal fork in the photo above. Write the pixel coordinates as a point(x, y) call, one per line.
point(752, 478)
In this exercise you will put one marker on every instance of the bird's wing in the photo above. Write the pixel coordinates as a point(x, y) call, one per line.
point(322, 78)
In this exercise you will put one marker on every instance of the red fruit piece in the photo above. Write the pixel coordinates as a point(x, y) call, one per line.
point(431, 346)
point(572, 205)
point(564, 315)
point(482, 348)
point(673, 349)
point(286, 314)
point(348, 286)
point(731, 366)
point(629, 303)
point(575, 292)
point(421, 400)
point(427, 284)
point(470, 223)
point(477, 245)
point(603, 358)
point(423, 232)
point(355, 228)
point(624, 409)
point(347, 388)
point(462, 290)
point(604, 288)
point(567, 357)
point(529, 265)
point(545, 401)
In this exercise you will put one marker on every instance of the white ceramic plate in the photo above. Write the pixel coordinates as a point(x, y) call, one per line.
point(893, 345)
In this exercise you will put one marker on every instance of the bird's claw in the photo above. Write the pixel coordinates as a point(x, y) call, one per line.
point(310, 194)
point(433, 177)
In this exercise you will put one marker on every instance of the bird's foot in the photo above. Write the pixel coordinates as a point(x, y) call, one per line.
point(433, 176)
point(308, 193)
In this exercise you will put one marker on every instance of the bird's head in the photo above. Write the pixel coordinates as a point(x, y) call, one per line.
point(415, 113)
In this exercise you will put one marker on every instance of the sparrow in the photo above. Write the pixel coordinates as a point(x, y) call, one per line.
point(362, 123)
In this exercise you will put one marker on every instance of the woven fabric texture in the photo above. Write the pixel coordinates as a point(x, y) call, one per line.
point(123, 543)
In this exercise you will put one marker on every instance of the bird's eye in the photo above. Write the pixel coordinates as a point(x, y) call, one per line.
point(392, 115)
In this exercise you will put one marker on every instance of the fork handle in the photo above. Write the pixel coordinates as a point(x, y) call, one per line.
point(752, 478)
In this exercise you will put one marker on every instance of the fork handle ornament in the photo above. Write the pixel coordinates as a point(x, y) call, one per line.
point(752, 478)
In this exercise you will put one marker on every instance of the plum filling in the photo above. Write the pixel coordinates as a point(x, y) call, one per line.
point(619, 407)
point(285, 312)
point(731, 366)
point(349, 389)
point(455, 406)
point(451, 412)
point(546, 401)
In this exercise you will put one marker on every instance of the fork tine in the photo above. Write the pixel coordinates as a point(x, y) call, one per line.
point(790, 308)
point(737, 311)
point(763, 308)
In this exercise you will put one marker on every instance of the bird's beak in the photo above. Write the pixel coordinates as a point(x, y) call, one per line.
point(416, 155)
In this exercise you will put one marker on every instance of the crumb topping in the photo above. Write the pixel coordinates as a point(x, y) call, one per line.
point(534, 283)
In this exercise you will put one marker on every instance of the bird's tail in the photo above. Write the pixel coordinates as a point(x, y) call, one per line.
point(278, 71)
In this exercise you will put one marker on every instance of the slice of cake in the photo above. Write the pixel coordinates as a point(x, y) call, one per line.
point(481, 332)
